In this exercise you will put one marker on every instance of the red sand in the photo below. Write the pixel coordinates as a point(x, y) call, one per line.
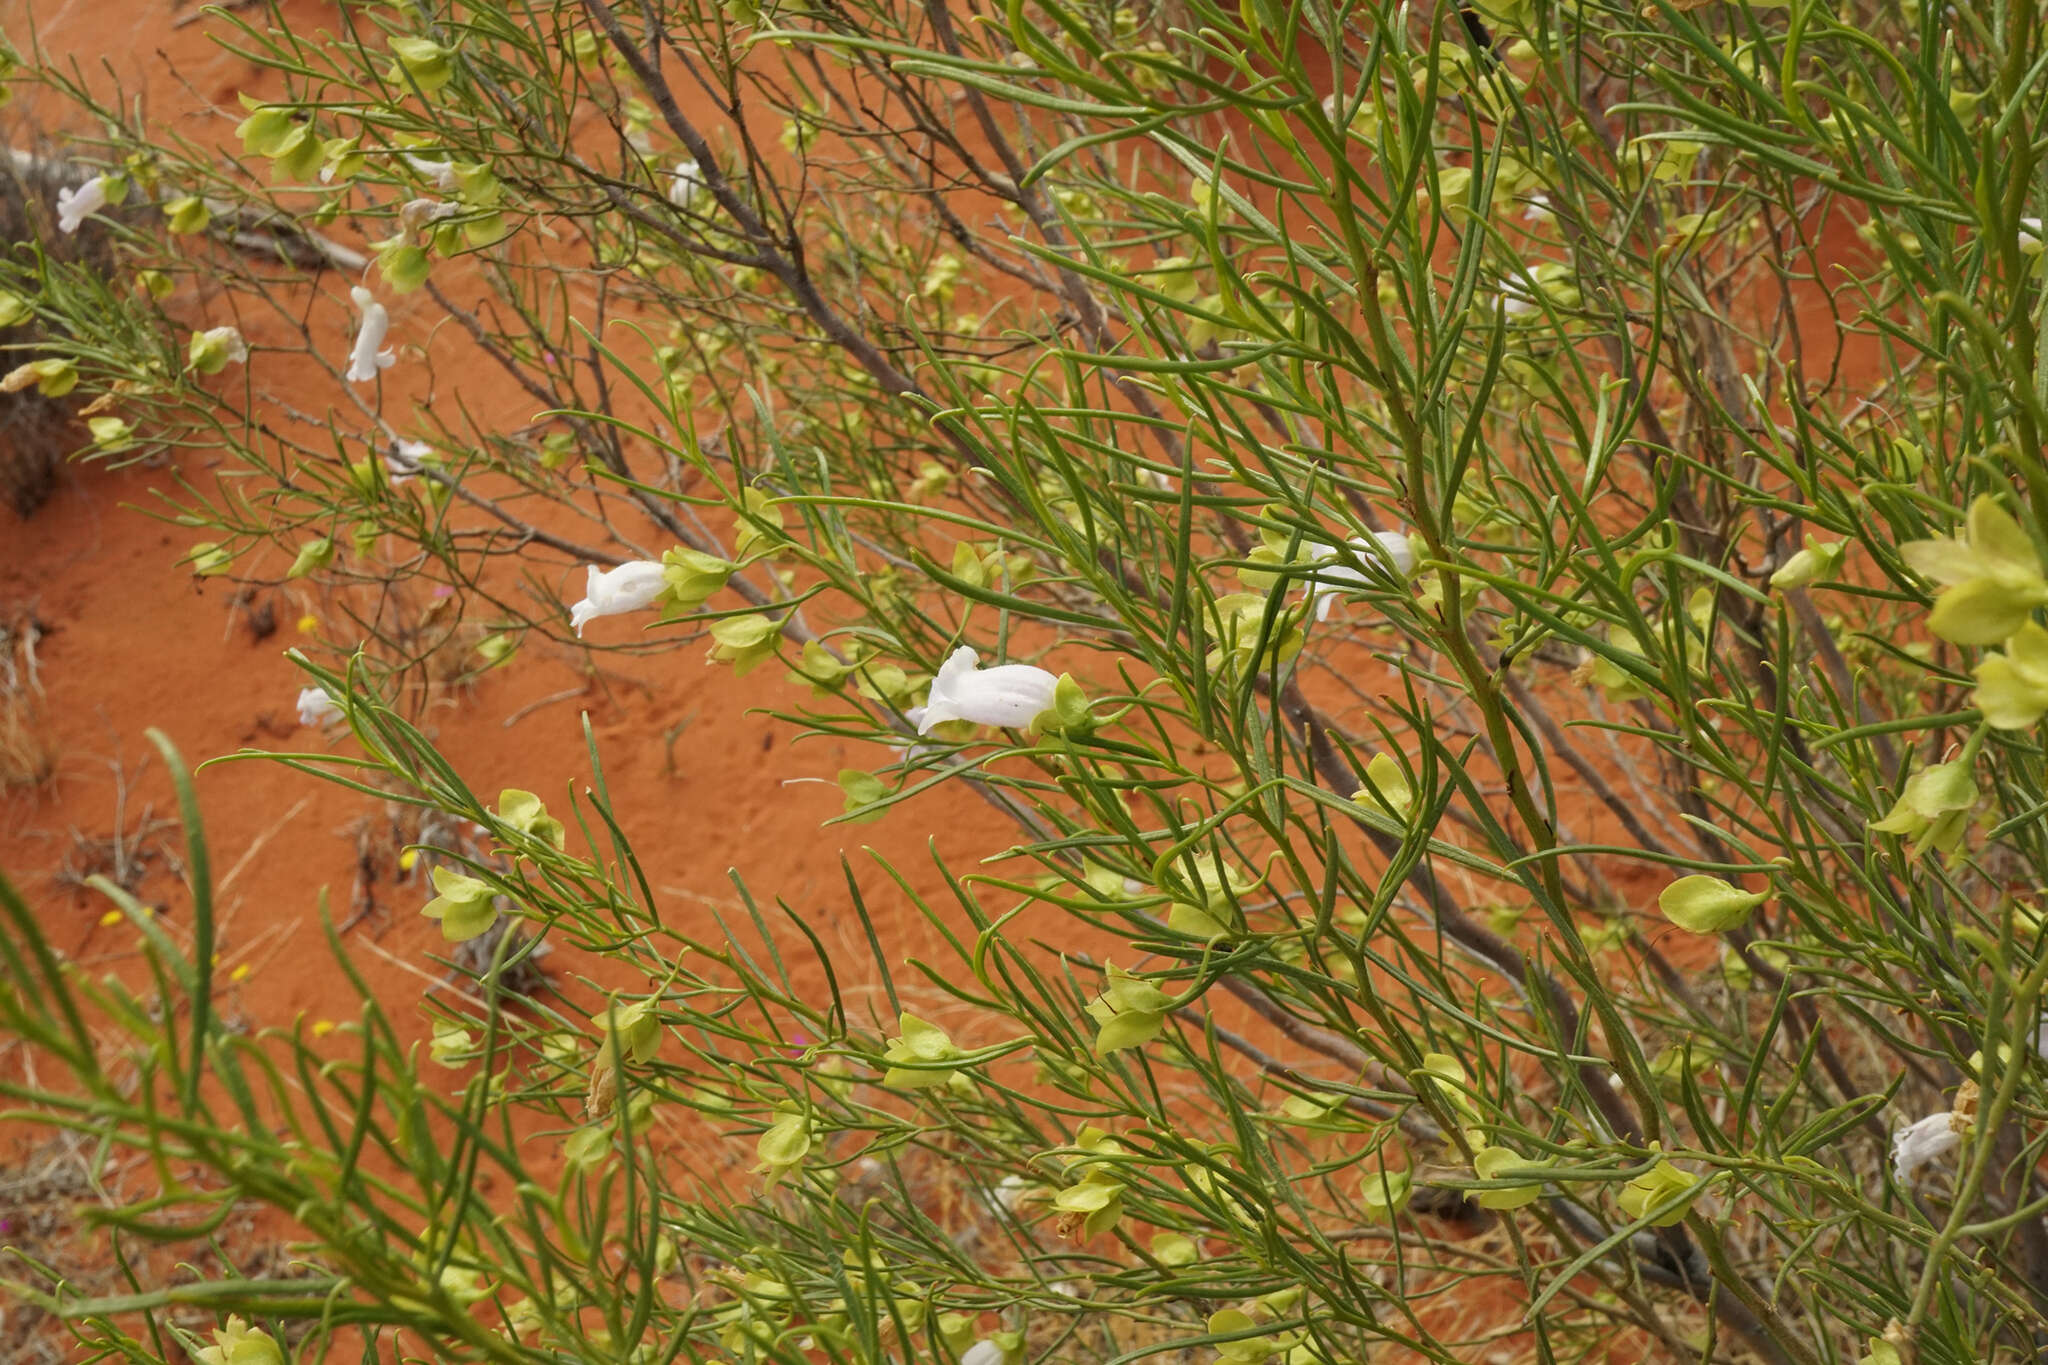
point(135, 642)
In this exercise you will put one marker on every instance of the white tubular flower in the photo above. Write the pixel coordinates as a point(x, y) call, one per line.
point(1008, 694)
point(1921, 1142)
point(316, 708)
point(632, 586)
point(1389, 549)
point(1515, 301)
point(402, 460)
point(417, 213)
point(909, 751)
point(685, 184)
point(1010, 1191)
point(75, 205)
point(229, 339)
point(369, 356)
point(442, 173)
point(982, 1353)
point(1538, 210)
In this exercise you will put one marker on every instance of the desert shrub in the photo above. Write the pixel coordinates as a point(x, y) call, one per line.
point(1515, 537)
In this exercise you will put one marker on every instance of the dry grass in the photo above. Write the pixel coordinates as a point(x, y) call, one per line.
point(28, 749)
point(138, 842)
point(28, 755)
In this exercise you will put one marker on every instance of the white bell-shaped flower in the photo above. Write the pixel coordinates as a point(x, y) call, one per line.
point(369, 356)
point(685, 184)
point(632, 586)
point(316, 708)
point(76, 204)
point(418, 213)
point(1515, 299)
point(1390, 549)
point(1921, 1142)
point(229, 340)
point(1008, 694)
point(908, 750)
point(442, 173)
point(402, 460)
point(1011, 1190)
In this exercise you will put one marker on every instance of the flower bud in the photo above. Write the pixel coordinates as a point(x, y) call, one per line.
point(187, 214)
point(425, 62)
point(1708, 905)
point(1817, 562)
point(1662, 1194)
point(1504, 1163)
point(240, 1344)
point(466, 906)
point(52, 378)
point(312, 556)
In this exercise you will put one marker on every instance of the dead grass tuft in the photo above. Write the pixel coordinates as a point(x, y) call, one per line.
point(28, 749)
point(28, 756)
point(126, 856)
